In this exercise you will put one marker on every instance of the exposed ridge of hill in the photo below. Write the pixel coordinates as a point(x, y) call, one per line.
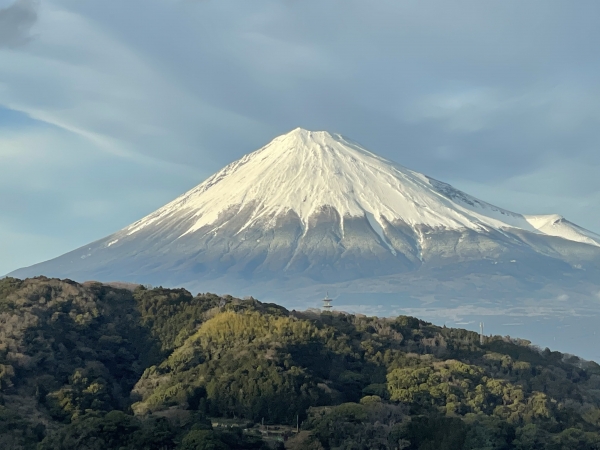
point(95, 366)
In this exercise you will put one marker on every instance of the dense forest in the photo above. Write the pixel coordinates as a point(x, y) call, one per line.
point(98, 366)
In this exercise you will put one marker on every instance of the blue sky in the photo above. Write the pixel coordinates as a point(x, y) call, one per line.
point(110, 109)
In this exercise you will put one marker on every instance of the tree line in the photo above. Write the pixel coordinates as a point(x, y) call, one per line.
point(95, 366)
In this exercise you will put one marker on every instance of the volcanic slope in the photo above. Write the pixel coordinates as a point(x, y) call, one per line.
point(316, 207)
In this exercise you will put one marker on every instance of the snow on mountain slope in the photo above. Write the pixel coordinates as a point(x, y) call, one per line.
point(304, 171)
point(555, 225)
point(316, 206)
point(313, 212)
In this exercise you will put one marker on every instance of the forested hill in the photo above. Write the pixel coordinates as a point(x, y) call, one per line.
point(95, 366)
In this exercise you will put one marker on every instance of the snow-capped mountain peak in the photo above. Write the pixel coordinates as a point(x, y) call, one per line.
point(303, 172)
point(312, 212)
point(317, 206)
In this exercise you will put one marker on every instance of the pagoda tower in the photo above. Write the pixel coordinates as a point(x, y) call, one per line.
point(327, 303)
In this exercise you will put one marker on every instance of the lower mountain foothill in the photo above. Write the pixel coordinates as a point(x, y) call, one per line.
point(118, 366)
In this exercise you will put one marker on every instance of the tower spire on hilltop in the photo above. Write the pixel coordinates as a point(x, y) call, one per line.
point(327, 302)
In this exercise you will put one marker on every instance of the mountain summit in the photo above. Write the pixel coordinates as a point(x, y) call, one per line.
point(304, 174)
point(317, 206)
point(313, 212)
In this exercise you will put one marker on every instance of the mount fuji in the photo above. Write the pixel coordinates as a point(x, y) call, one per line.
point(314, 211)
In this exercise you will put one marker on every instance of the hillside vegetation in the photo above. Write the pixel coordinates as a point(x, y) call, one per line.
point(99, 367)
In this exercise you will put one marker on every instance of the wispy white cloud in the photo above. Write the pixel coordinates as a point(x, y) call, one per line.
point(55, 197)
point(80, 78)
